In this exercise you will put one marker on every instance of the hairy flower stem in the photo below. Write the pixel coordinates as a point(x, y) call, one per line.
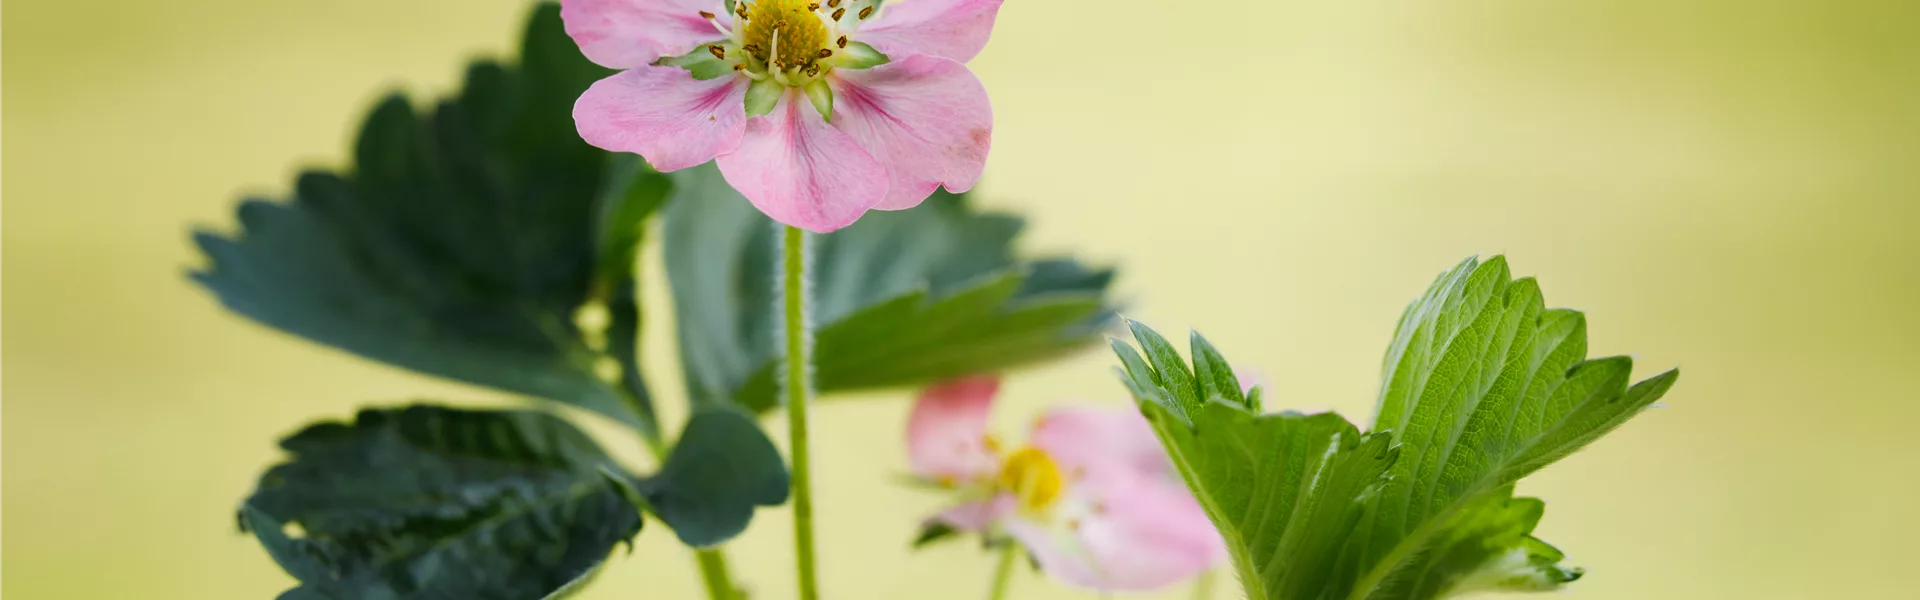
point(799, 388)
point(713, 572)
point(1003, 570)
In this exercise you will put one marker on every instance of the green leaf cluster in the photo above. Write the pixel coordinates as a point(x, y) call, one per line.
point(481, 240)
point(901, 298)
point(1481, 386)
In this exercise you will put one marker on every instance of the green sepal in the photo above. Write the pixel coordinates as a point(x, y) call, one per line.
point(763, 95)
point(859, 55)
point(702, 63)
point(933, 532)
point(822, 97)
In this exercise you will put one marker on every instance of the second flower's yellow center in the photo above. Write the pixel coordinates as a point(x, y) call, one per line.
point(785, 33)
point(1033, 478)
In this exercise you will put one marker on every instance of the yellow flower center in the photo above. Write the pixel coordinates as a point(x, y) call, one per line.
point(1034, 480)
point(785, 33)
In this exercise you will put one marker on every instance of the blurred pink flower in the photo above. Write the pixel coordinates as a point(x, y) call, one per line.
point(817, 110)
point(1092, 497)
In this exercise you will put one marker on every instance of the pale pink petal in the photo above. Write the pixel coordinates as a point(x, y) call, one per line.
point(623, 34)
point(1103, 446)
point(1141, 537)
point(926, 118)
point(946, 434)
point(977, 515)
point(803, 172)
point(665, 115)
point(1129, 522)
point(955, 29)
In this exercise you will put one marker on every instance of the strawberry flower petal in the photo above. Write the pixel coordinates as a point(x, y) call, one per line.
point(1143, 529)
point(946, 434)
point(927, 118)
point(1103, 446)
point(977, 515)
point(625, 34)
point(663, 114)
point(954, 29)
point(1144, 537)
point(801, 171)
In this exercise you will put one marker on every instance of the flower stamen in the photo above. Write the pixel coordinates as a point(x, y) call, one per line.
point(793, 34)
point(714, 20)
point(1034, 479)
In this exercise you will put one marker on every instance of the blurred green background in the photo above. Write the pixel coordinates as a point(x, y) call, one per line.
point(1731, 186)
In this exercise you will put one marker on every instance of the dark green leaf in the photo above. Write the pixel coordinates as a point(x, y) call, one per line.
point(464, 241)
point(721, 469)
point(1483, 386)
point(433, 502)
point(901, 298)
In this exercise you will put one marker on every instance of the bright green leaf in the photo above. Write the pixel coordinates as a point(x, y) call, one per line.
point(1488, 547)
point(902, 298)
point(464, 240)
point(1482, 386)
point(1282, 488)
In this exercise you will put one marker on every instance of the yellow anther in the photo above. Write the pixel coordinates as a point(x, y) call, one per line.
point(1034, 480)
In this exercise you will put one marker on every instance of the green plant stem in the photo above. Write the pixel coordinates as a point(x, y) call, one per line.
point(798, 364)
point(713, 572)
point(1003, 571)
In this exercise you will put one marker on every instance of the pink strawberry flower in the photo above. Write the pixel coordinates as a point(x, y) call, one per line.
point(1092, 497)
point(817, 110)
